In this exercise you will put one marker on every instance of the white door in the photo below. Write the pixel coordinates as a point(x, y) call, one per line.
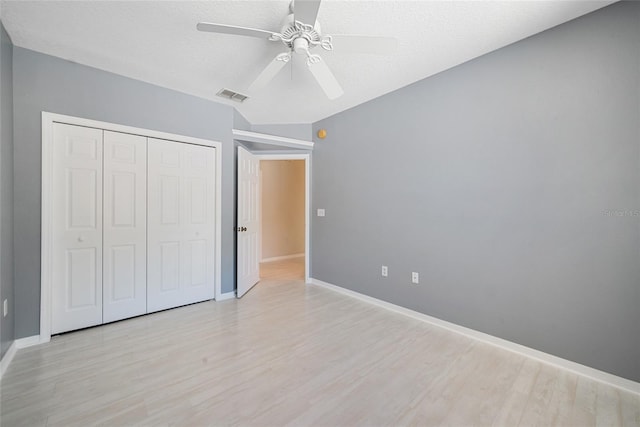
point(181, 224)
point(125, 226)
point(248, 225)
point(77, 224)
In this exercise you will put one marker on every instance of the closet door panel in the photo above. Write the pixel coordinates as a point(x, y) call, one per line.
point(125, 226)
point(169, 273)
point(200, 220)
point(77, 228)
point(164, 241)
point(181, 216)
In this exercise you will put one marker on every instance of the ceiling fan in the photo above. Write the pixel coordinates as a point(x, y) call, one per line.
point(301, 33)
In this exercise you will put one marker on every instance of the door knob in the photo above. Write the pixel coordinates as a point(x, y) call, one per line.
point(241, 229)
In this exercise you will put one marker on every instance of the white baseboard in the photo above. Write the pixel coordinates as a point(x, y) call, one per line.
point(29, 341)
point(282, 258)
point(15, 346)
point(576, 368)
point(7, 358)
point(226, 296)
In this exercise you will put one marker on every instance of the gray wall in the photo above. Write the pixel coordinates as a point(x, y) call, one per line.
point(46, 83)
point(240, 122)
point(497, 181)
point(6, 189)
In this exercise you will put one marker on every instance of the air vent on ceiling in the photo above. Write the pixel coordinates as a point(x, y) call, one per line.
point(234, 96)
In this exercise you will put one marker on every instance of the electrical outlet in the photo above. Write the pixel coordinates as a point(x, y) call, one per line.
point(415, 277)
point(385, 271)
point(320, 212)
point(5, 308)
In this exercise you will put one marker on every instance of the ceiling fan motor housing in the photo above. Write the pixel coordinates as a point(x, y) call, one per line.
point(298, 35)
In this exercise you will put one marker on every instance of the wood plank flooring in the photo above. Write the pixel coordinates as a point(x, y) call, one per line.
point(293, 354)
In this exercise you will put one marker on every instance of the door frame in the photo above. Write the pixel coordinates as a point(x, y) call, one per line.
point(307, 202)
point(48, 119)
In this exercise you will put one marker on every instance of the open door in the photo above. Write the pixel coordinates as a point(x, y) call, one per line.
point(248, 225)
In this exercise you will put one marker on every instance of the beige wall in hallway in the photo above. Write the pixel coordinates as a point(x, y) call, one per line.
point(282, 207)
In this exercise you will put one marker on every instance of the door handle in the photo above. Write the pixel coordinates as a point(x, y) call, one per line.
point(241, 229)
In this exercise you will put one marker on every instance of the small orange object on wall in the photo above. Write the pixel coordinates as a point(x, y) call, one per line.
point(322, 134)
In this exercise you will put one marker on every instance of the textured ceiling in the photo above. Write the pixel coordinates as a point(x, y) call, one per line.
point(157, 42)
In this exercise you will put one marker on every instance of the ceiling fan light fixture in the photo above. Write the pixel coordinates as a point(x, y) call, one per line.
point(301, 45)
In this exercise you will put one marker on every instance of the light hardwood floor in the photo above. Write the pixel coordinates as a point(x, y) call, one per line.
point(293, 354)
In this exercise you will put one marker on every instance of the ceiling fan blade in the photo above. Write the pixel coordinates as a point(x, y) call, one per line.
point(344, 43)
point(232, 29)
point(326, 79)
point(306, 11)
point(270, 71)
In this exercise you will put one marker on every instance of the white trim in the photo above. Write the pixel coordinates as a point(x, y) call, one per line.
point(307, 202)
point(282, 258)
point(79, 121)
point(218, 214)
point(226, 296)
point(576, 368)
point(29, 341)
point(7, 358)
point(245, 135)
point(46, 251)
point(260, 230)
point(13, 348)
point(48, 119)
point(307, 231)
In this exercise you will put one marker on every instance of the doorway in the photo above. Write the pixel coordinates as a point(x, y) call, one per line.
point(282, 217)
point(273, 188)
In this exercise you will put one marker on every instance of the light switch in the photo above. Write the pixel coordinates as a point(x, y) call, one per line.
point(320, 212)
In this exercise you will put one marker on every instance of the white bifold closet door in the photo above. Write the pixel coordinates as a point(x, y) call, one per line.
point(125, 226)
point(133, 226)
point(77, 228)
point(181, 224)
